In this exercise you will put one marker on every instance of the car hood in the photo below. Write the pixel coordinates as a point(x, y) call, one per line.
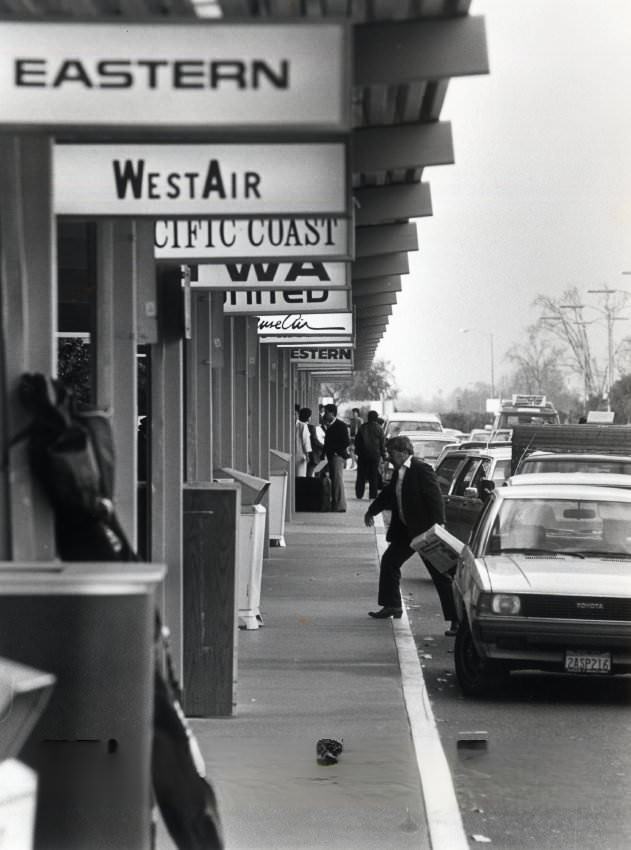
point(557, 574)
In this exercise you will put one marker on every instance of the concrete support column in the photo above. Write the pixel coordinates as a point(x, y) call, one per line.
point(217, 366)
point(227, 456)
point(116, 364)
point(166, 460)
point(240, 401)
point(28, 322)
point(254, 396)
point(274, 440)
point(198, 359)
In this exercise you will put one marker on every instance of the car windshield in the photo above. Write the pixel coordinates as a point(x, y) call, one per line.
point(570, 526)
point(428, 450)
point(509, 420)
point(401, 425)
point(576, 464)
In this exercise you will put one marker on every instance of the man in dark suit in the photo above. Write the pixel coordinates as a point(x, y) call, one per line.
point(336, 443)
point(414, 497)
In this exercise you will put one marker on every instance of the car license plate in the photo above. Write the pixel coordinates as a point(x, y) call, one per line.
point(587, 662)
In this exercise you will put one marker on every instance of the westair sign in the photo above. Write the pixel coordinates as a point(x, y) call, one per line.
point(298, 275)
point(200, 179)
point(271, 301)
point(217, 240)
point(175, 76)
point(309, 324)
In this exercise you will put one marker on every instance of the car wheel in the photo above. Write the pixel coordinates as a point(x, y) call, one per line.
point(473, 672)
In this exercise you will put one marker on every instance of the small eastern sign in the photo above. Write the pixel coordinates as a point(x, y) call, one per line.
point(337, 355)
point(307, 324)
point(175, 76)
point(298, 275)
point(200, 179)
point(260, 301)
point(213, 240)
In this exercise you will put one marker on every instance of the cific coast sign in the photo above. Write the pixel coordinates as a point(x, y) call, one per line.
point(200, 179)
point(217, 240)
point(175, 76)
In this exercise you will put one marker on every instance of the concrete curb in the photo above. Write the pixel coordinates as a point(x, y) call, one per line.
point(444, 822)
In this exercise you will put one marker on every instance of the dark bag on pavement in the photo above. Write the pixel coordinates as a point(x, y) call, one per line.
point(313, 494)
point(72, 455)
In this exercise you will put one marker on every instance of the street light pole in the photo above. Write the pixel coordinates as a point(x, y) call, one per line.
point(490, 336)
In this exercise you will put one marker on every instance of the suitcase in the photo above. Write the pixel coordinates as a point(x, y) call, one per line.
point(313, 494)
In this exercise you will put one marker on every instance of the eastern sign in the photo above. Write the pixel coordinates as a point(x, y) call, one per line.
point(217, 240)
point(200, 180)
point(175, 75)
point(309, 324)
point(271, 301)
point(336, 355)
point(298, 275)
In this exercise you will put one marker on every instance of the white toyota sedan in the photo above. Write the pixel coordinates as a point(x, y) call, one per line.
point(545, 584)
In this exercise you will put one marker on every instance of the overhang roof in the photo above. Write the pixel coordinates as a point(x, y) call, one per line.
point(404, 54)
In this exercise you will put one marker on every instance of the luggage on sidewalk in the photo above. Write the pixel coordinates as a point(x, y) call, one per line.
point(313, 494)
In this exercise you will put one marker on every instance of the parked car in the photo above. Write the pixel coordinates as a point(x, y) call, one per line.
point(573, 462)
point(592, 479)
point(461, 474)
point(402, 421)
point(428, 444)
point(545, 584)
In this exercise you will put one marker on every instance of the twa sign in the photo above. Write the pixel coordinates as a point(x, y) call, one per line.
point(281, 275)
point(200, 180)
point(175, 76)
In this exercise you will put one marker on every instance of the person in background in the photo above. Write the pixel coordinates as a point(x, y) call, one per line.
point(414, 497)
point(321, 421)
point(370, 449)
point(336, 442)
point(316, 433)
point(302, 449)
point(354, 426)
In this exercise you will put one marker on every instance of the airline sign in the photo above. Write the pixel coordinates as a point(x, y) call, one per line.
point(200, 180)
point(175, 76)
point(217, 240)
point(284, 341)
point(307, 324)
point(271, 301)
point(321, 356)
point(325, 359)
point(299, 275)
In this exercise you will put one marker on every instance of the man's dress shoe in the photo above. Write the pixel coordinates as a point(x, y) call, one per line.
point(386, 613)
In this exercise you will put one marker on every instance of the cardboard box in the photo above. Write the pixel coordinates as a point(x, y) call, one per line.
point(439, 547)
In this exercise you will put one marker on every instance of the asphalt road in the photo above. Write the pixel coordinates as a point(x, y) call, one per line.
point(552, 770)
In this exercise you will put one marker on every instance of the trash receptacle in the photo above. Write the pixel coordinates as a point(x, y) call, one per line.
point(91, 625)
point(279, 463)
point(251, 545)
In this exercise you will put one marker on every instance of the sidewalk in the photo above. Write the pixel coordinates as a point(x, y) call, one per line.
point(321, 668)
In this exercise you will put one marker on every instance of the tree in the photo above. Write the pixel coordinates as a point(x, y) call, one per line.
point(620, 400)
point(377, 382)
point(373, 384)
point(563, 318)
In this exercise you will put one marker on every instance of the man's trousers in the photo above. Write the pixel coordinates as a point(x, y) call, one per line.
point(393, 558)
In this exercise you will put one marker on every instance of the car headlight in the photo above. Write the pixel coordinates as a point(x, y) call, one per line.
point(505, 603)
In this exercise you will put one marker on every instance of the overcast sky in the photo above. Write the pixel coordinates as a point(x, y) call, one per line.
point(539, 198)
